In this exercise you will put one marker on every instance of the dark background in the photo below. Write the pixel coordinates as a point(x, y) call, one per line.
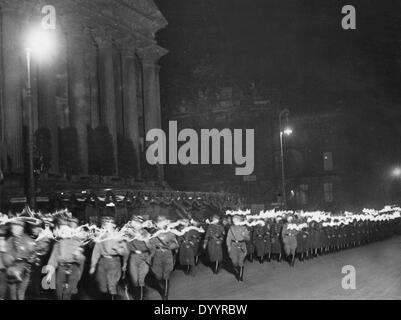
point(299, 48)
point(296, 46)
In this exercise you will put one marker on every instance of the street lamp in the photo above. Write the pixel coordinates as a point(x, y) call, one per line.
point(39, 43)
point(397, 172)
point(283, 131)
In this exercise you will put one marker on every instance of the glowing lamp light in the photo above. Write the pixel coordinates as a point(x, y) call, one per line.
point(40, 42)
point(288, 131)
point(397, 172)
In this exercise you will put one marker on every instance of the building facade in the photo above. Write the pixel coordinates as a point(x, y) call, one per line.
point(230, 107)
point(327, 167)
point(94, 97)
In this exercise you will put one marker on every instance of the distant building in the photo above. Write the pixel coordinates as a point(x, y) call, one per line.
point(93, 99)
point(331, 160)
point(316, 155)
point(229, 107)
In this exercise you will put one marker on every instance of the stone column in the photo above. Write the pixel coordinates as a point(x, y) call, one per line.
point(12, 68)
point(47, 111)
point(107, 91)
point(130, 110)
point(92, 74)
point(151, 91)
point(79, 93)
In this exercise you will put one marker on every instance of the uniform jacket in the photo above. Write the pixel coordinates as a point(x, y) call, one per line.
point(109, 248)
point(165, 241)
point(19, 249)
point(288, 232)
point(214, 232)
point(237, 234)
point(140, 247)
point(67, 251)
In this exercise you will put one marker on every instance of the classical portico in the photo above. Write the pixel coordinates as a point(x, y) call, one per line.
point(99, 90)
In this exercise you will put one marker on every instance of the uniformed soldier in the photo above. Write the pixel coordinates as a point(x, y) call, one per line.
point(109, 259)
point(42, 251)
point(275, 231)
point(289, 236)
point(3, 270)
point(197, 240)
point(250, 246)
point(141, 252)
point(19, 256)
point(214, 243)
point(302, 243)
point(163, 264)
point(261, 240)
point(66, 262)
point(236, 243)
point(186, 251)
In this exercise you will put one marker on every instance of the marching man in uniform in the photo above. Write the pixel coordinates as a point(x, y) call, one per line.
point(237, 237)
point(289, 235)
point(163, 264)
point(214, 243)
point(109, 258)
point(187, 249)
point(140, 258)
point(19, 256)
point(67, 262)
point(261, 240)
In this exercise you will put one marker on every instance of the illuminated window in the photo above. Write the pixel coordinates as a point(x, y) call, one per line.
point(328, 192)
point(328, 161)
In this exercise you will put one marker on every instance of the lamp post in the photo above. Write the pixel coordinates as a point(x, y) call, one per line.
point(39, 43)
point(283, 131)
point(31, 185)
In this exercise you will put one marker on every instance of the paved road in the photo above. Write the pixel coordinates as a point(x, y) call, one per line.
point(378, 276)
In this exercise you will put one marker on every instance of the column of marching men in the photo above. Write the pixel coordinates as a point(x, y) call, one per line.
point(73, 255)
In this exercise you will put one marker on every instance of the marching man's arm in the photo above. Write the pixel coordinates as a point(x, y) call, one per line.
point(54, 257)
point(95, 258)
point(229, 239)
point(206, 240)
point(125, 254)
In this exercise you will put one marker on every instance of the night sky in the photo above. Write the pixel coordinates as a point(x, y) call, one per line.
point(295, 46)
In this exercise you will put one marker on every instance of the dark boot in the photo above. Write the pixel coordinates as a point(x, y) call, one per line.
point(241, 274)
point(141, 293)
point(250, 257)
point(237, 272)
point(216, 268)
point(135, 294)
point(188, 270)
point(166, 289)
point(261, 260)
point(293, 261)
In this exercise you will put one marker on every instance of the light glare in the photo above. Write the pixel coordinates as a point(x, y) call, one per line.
point(397, 172)
point(41, 43)
point(288, 131)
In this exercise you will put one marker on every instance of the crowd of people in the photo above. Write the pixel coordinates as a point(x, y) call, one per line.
point(57, 252)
